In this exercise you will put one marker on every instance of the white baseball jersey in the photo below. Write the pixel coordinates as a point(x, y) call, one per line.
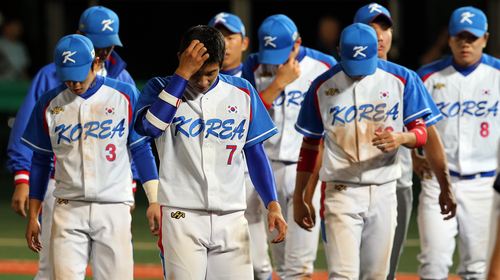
point(202, 165)
point(90, 135)
point(285, 109)
point(468, 99)
point(350, 112)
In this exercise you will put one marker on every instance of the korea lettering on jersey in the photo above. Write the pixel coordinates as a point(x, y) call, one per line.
point(470, 107)
point(350, 113)
point(285, 146)
point(201, 152)
point(90, 138)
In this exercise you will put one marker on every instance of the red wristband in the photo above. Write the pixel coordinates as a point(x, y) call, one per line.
point(21, 177)
point(267, 105)
point(420, 129)
point(307, 160)
point(134, 186)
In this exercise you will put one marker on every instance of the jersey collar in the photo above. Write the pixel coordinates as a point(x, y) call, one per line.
point(467, 69)
point(94, 87)
point(232, 72)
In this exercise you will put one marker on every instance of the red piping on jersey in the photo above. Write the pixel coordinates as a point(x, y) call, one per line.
point(112, 60)
point(322, 201)
point(255, 67)
point(45, 124)
point(316, 102)
point(327, 65)
point(427, 76)
point(401, 78)
point(160, 244)
point(248, 92)
point(129, 107)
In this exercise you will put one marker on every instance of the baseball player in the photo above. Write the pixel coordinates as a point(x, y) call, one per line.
point(379, 18)
point(360, 107)
point(92, 23)
point(203, 121)
point(465, 89)
point(282, 71)
point(236, 43)
point(494, 239)
point(87, 124)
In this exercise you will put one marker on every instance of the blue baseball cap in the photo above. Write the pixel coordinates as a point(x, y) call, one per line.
point(230, 21)
point(277, 34)
point(73, 57)
point(101, 25)
point(358, 50)
point(468, 19)
point(368, 13)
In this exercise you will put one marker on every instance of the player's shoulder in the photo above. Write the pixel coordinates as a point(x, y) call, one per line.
point(328, 60)
point(51, 94)
point(427, 70)
point(337, 68)
point(49, 69)
point(252, 60)
point(156, 85)
point(237, 82)
point(397, 70)
point(490, 61)
point(120, 86)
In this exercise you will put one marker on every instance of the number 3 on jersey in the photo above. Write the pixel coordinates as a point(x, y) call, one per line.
point(232, 148)
point(111, 149)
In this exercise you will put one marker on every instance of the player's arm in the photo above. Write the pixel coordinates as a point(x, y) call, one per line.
point(148, 174)
point(159, 116)
point(436, 156)
point(41, 167)
point(286, 74)
point(19, 161)
point(388, 141)
point(494, 273)
point(305, 180)
point(262, 177)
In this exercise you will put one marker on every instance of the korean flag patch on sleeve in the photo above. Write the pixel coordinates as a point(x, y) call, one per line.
point(232, 109)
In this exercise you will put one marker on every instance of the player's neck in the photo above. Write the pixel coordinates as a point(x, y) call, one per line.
point(99, 66)
point(232, 67)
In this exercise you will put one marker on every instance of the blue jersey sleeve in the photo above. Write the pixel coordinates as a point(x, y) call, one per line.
point(251, 62)
point(20, 155)
point(435, 114)
point(146, 165)
point(261, 126)
point(148, 96)
point(126, 78)
point(309, 122)
point(41, 167)
point(36, 136)
point(415, 103)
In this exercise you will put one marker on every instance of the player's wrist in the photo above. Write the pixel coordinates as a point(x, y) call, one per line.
point(183, 73)
point(151, 190)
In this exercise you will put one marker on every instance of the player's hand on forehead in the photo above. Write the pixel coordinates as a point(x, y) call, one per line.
point(192, 59)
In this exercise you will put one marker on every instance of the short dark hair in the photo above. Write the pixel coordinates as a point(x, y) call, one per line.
point(212, 39)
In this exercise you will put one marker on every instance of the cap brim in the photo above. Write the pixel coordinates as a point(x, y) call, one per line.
point(474, 31)
point(385, 17)
point(274, 57)
point(359, 67)
point(104, 41)
point(229, 27)
point(76, 74)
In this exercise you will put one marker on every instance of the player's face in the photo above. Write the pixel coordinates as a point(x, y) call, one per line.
point(467, 48)
point(204, 78)
point(384, 35)
point(80, 88)
point(103, 53)
point(235, 46)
